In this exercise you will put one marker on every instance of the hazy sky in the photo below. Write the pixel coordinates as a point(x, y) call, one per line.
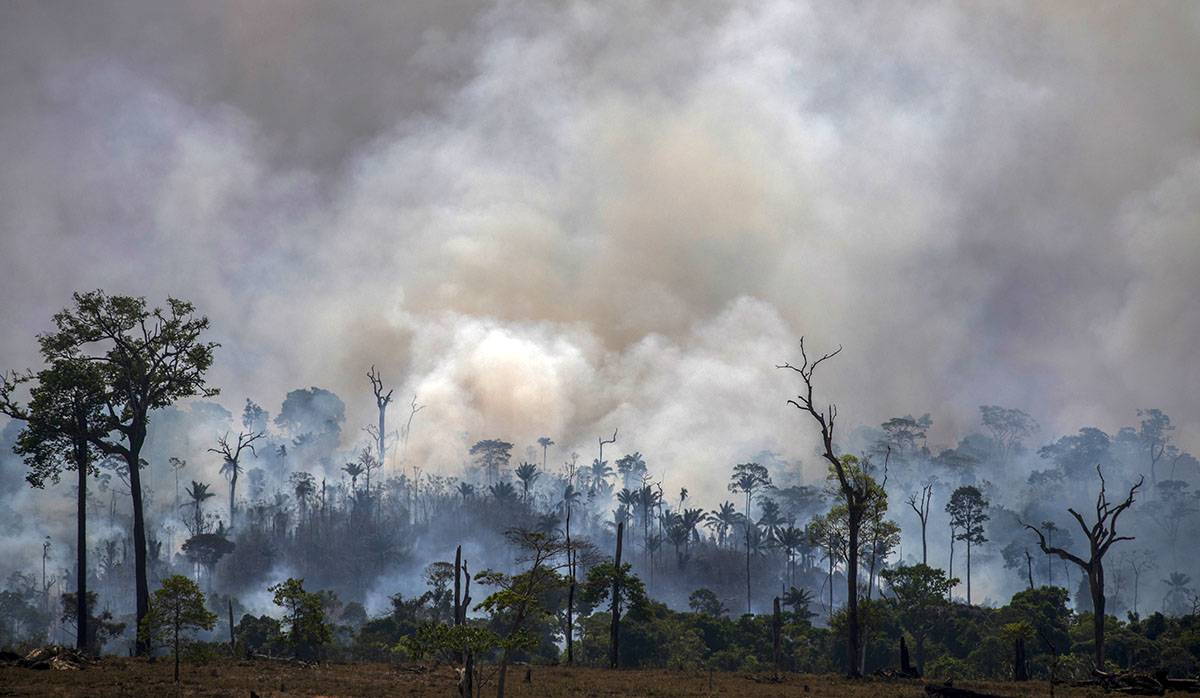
point(559, 218)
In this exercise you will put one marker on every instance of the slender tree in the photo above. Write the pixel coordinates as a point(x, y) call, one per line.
point(177, 607)
point(920, 505)
point(545, 442)
point(64, 413)
point(748, 478)
point(968, 512)
point(1101, 536)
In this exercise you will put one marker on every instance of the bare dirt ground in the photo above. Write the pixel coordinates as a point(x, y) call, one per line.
point(134, 677)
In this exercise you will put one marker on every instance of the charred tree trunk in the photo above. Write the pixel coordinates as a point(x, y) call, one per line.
point(1020, 666)
point(232, 636)
point(614, 652)
point(1096, 586)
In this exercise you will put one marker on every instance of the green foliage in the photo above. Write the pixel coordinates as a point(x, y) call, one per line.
point(100, 627)
point(447, 643)
point(705, 602)
point(176, 609)
point(596, 590)
point(303, 623)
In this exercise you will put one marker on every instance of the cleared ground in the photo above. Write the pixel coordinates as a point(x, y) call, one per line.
point(132, 677)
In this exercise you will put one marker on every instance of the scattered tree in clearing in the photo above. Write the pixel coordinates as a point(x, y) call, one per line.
point(176, 608)
point(303, 618)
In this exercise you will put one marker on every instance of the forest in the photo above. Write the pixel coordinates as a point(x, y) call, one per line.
point(294, 534)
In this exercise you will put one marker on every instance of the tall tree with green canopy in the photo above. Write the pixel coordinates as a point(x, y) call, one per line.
point(176, 608)
point(968, 512)
point(142, 359)
point(63, 414)
point(918, 593)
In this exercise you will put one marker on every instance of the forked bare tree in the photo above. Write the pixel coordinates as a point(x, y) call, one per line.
point(920, 504)
point(1101, 535)
point(231, 468)
point(856, 490)
point(382, 400)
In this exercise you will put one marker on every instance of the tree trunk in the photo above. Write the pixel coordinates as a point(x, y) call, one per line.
point(571, 624)
point(382, 435)
point(142, 587)
point(232, 637)
point(920, 642)
point(968, 571)
point(852, 620)
point(457, 584)
point(950, 572)
point(177, 649)
point(233, 494)
point(81, 609)
point(924, 545)
point(570, 595)
point(1096, 585)
point(1020, 668)
point(776, 632)
point(614, 652)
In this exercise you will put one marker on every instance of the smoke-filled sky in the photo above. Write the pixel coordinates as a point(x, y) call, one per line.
point(560, 218)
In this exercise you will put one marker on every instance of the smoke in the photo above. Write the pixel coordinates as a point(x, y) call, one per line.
point(560, 219)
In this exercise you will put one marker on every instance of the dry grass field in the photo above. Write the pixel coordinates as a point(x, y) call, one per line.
point(132, 677)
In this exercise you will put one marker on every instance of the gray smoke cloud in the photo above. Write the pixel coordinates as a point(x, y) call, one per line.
point(562, 218)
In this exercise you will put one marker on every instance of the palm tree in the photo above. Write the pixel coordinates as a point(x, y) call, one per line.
point(545, 442)
point(600, 472)
point(677, 533)
point(527, 473)
point(691, 518)
point(304, 486)
point(749, 478)
point(1178, 592)
point(631, 468)
point(353, 469)
point(799, 600)
point(771, 519)
point(198, 493)
point(503, 492)
point(723, 519)
point(790, 539)
point(466, 491)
